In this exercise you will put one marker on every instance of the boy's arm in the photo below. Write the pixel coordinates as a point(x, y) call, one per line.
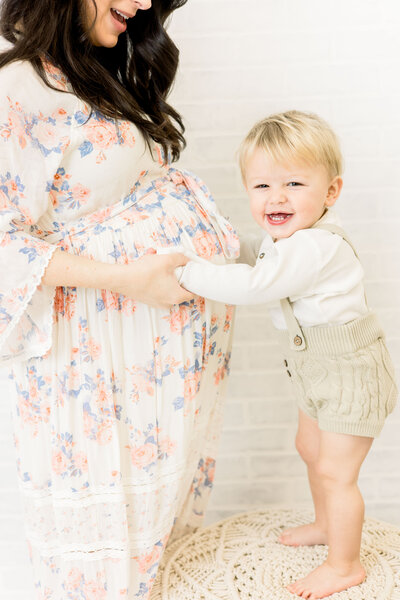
point(283, 269)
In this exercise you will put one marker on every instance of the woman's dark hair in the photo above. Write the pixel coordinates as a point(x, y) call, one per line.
point(130, 81)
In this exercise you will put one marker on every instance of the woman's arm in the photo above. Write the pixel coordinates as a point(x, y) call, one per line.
point(150, 279)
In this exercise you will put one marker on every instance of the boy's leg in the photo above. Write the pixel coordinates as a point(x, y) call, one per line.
point(340, 459)
point(308, 445)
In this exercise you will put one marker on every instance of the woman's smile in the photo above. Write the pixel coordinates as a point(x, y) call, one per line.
point(107, 19)
point(120, 18)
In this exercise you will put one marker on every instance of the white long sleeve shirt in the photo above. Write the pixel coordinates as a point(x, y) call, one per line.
point(316, 269)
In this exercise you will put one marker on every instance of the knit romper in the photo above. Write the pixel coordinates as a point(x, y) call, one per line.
point(343, 375)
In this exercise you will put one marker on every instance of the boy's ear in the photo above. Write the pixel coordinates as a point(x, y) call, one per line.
point(334, 189)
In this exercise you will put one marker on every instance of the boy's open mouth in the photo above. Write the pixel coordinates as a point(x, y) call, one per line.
point(278, 218)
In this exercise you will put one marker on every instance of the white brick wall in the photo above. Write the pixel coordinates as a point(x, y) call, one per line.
point(240, 60)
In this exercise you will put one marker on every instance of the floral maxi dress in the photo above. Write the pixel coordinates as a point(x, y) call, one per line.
point(117, 406)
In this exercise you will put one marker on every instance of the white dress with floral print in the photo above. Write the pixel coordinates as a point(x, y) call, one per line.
point(117, 406)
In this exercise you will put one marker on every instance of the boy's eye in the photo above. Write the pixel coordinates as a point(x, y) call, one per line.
point(294, 183)
point(261, 186)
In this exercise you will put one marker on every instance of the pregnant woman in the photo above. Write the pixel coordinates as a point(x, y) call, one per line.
point(118, 388)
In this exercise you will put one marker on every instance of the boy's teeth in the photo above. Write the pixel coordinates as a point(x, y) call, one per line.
point(277, 217)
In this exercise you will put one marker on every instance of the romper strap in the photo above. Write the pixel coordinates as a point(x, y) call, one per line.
point(297, 339)
point(339, 231)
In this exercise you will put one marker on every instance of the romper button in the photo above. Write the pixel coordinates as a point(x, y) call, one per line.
point(285, 363)
point(262, 255)
point(297, 340)
point(289, 373)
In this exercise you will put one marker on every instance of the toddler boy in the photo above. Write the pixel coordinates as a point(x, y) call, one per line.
point(335, 354)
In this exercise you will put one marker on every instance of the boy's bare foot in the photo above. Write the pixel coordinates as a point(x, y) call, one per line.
point(324, 581)
point(305, 535)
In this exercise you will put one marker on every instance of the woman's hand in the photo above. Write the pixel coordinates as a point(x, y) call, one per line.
point(152, 280)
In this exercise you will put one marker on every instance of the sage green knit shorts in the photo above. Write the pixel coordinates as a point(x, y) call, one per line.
point(345, 377)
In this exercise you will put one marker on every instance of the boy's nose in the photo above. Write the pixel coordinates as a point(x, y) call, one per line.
point(278, 198)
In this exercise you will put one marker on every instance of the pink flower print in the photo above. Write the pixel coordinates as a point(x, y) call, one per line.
point(126, 131)
point(45, 410)
point(100, 157)
point(204, 244)
point(74, 581)
point(45, 133)
point(26, 215)
point(81, 462)
point(64, 303)
point(60, 113)
point(220, 374)
point(58, 178)
point(88, 424)
point(100, 215)
point(176, 177)
point(104, 433)
point(116, 476)
point(58, 462)
point(179, 317)
point(201, 304)
point(102, 134)
point(103, 399)
point(4, 201)
point(93, 590)
point(191, 386)
point(56, 74)
point(12, 184)
point(167, 446)
point(80, 193)
point(6, 134)
point(94, 349)
point(232, 242)
point(16, 125)
point(110, 299)
point(144, 455)
point(25, 411)
point(54, 198)
point(230, 311)
point(158, 150)
point(12, 302)
point(147, 561)
point(210, 469)
point(33, 391)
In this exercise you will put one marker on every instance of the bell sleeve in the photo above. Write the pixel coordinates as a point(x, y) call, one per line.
point(31, 147)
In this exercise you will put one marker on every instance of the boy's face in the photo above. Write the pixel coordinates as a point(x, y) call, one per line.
point(287, 197)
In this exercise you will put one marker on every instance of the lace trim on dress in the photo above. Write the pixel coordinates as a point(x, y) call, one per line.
point(102, 493)
point(33, 284)
point(107, 549)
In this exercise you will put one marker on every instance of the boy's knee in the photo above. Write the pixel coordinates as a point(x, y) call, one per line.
point(330, 472)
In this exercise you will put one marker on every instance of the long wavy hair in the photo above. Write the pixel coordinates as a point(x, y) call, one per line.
point(130, 81)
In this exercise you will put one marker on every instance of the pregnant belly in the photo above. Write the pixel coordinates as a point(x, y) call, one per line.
point(175, 210)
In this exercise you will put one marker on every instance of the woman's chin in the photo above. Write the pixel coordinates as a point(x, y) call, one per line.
point(105, 41)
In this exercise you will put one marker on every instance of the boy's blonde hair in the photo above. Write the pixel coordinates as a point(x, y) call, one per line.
point(294, 135)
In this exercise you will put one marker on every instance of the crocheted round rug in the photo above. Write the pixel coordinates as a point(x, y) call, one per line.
point(240, 559)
